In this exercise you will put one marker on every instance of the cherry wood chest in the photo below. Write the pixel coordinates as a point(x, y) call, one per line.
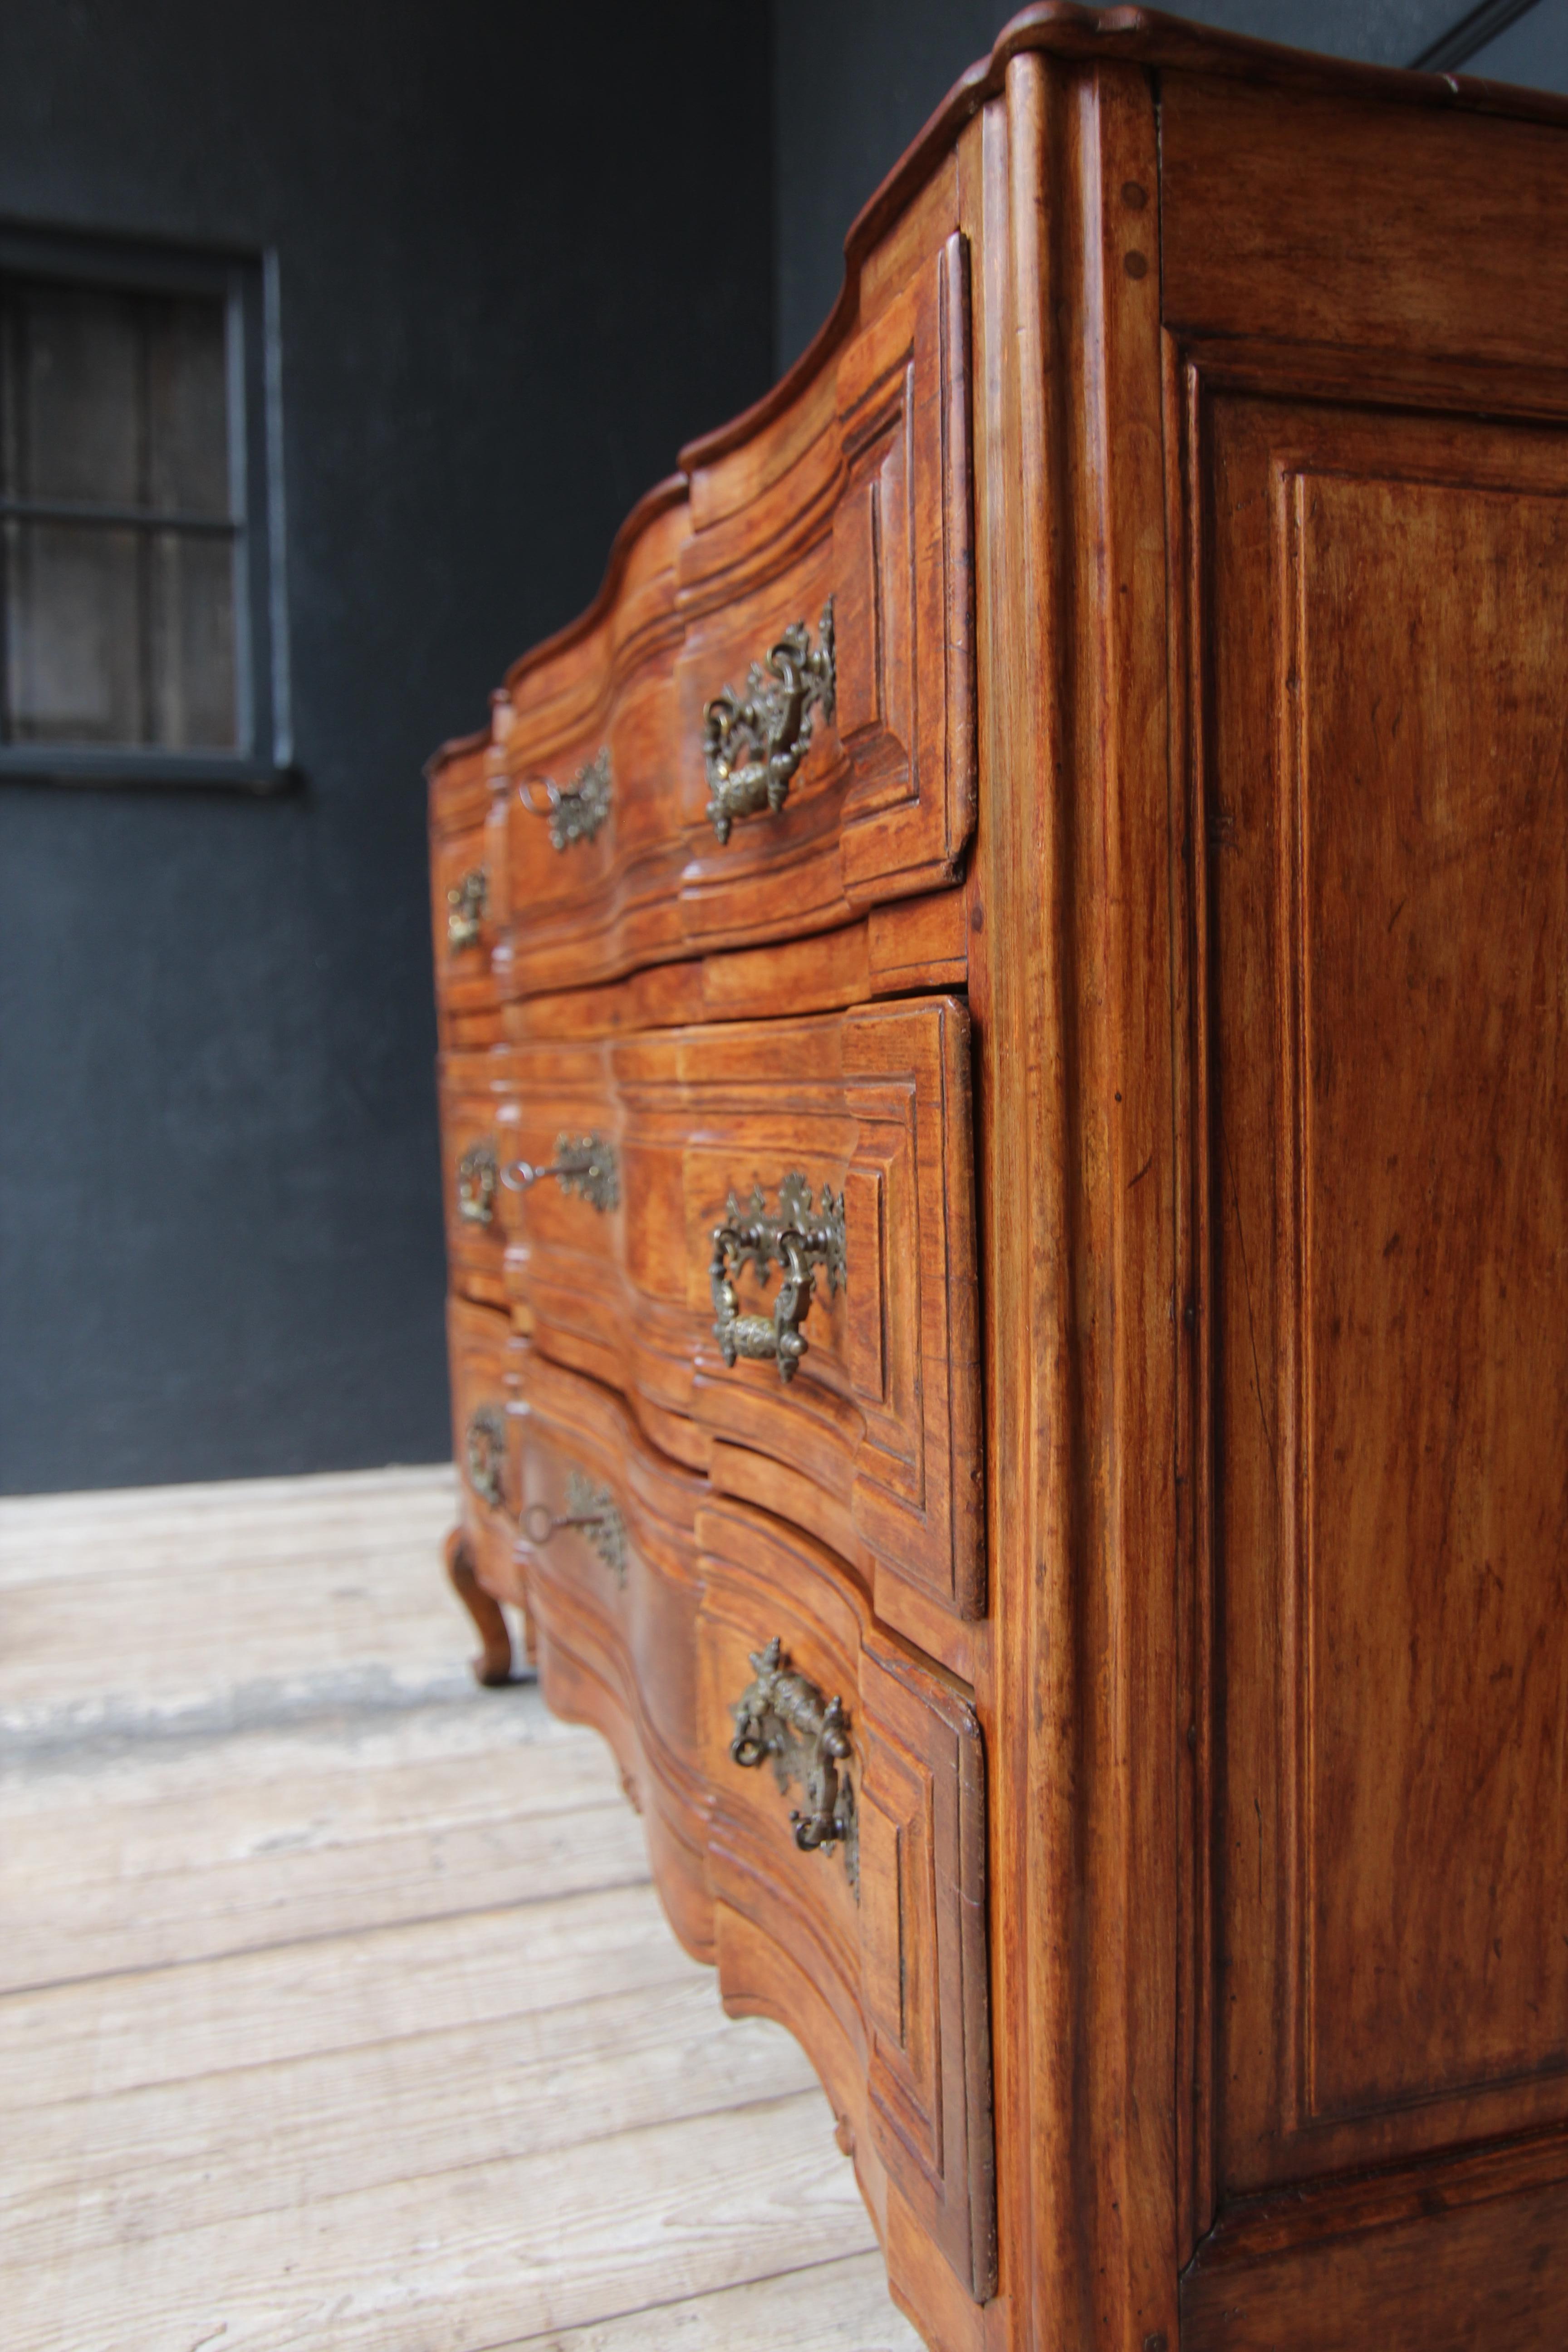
point(1003, 1003)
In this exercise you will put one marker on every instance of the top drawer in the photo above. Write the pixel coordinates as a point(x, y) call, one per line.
point(770, 727)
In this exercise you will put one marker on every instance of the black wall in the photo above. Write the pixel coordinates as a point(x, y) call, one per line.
point(513, 283)
point(855, 80)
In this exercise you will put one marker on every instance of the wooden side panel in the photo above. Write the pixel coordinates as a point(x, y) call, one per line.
point(891, 1936)
point(1330, 218)
point(1388, 1204)
point(1446, 2276)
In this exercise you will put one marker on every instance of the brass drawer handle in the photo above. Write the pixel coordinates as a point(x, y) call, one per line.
point(486, 1454)
point(591, 1508)
point(585, 1164)
point(784, 1718)
point(477, 1175)
point(798, 1240)
point(465, 903)
point(753, 746)
point(577, 810)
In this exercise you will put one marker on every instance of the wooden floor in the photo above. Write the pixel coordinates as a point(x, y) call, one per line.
point(336, 2008)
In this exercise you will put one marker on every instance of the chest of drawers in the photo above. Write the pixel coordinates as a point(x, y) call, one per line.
point(1004, 1098)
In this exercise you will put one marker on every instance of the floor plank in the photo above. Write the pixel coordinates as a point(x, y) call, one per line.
point(172, 2025)
point(346, 2119)
point(840, 2306)
point(341, 2010)
point(434, 2260)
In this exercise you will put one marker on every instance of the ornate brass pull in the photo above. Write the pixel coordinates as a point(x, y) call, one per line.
point(577, 810)
point(591, 1508)
point(783, 1717)
point(798, 1240)
point(752, 745)
point(486, 1454)
point(465, 903)
point(584, 1164)
point(477, 1174)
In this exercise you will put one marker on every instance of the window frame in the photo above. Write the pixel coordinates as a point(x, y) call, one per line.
point(262, 759)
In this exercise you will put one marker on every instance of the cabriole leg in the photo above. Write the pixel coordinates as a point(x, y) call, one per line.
point(493, 1665)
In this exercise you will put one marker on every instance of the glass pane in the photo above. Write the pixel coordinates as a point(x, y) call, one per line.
point(73, 395)
point(73, 639)
point(187, 386)
point(192, 643)
point(114, 637)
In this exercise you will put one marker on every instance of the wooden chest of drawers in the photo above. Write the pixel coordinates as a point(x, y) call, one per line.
point(1005, 1094)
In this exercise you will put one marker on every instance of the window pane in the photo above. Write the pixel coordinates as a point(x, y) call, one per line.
point(73, 662)
point(113, 636)
point(187, 387)
point(193, 642)
point(73, 395)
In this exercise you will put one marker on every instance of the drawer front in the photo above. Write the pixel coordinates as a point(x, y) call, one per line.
point(876, 516)
point(607, 1568)
point(854, 1128)
point(799, 745)
point(464, 908)
point(592, 856)
point(477, 1203)
point(481, 1352)
point(848, 1836)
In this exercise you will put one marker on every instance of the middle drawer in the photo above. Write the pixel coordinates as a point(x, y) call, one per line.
point(762, 1233)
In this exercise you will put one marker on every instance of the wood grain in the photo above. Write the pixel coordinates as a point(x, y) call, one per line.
point(1184, 457)
point(881, 1422)
point(888, 1937)
point(1386, 1219)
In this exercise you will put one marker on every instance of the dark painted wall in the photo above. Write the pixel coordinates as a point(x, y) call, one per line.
point(511, 285)
point(855, 80)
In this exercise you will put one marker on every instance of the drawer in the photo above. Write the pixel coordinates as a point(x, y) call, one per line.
point(854, 1126)
point(607, 1571)
point(463, 900)
point(482, 1353)
point(846, 1859)
point(477, 1205)
point(795, 741)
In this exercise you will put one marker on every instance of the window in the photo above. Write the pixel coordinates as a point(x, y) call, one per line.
point(139, 544)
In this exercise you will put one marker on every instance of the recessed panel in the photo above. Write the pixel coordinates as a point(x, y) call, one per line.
point(1386, 803)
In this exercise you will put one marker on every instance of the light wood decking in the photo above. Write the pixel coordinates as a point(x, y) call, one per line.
point(336, 2008)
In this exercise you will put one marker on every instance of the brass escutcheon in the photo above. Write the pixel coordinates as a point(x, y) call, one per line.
point(752, 744)
point(783, 1719)
point(477, 1175)
point(465, 903)
point(593, 1510)
point(486, 1454)
point(584, 1164)
point(577, 810)
point(800, 1241)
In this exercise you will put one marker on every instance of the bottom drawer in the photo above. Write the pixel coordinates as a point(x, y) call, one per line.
point(608, 1571)
point(847, 1858)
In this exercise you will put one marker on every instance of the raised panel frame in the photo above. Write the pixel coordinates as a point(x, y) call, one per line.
point(898, 1955)
point(1372, 399)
